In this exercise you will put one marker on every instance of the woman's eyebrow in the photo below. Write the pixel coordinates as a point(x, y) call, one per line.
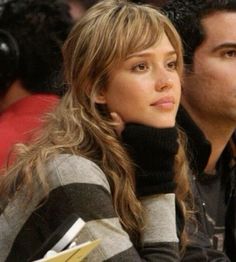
point(149, 53)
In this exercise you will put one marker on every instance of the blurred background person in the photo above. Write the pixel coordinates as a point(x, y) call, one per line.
point(31, 35)
point(157, 3)
point(78, 7)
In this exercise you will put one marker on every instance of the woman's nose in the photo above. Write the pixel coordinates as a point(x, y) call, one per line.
point(164, 82)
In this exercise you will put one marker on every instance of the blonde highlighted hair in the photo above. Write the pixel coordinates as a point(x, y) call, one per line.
point(108, 33)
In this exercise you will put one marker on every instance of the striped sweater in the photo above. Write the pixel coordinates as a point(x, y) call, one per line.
point(79, 186)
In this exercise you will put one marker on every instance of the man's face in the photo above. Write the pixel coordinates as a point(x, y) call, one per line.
point(210, 91)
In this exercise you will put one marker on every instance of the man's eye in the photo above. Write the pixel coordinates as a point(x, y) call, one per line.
point(140, 67)
point(230, 53)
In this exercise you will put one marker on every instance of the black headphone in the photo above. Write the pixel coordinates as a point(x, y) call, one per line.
point(9, 56)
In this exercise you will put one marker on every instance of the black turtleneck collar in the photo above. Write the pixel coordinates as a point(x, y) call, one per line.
point(198, 147)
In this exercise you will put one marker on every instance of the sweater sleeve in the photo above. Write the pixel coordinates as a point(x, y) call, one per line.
point(79, 186)
point(160, 231)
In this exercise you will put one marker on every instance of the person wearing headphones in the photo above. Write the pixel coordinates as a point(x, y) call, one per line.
point(31, 35)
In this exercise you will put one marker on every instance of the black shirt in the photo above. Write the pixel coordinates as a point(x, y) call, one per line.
point(212, 189)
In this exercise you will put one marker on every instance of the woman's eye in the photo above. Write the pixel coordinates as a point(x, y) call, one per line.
point(140, 67)
point(172, 65)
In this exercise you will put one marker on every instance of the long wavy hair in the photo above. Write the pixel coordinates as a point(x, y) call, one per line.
point(108, 32)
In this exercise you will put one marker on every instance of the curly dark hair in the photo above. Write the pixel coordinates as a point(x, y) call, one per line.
point(39, 28)
point(186, 15)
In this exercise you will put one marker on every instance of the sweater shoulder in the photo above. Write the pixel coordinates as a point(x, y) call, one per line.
point(68, 169)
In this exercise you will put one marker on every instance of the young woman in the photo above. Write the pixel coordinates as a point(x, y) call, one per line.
point(122, 61)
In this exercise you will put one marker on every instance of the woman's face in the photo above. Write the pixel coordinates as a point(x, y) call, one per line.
point(145, 88)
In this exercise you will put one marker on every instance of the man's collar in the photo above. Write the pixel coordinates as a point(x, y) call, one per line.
point(198, 147)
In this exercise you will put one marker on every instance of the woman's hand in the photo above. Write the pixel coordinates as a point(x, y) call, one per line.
point(153, 150)
point(119, 123)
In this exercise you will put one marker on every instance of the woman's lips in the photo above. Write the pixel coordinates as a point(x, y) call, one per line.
point(164, 103)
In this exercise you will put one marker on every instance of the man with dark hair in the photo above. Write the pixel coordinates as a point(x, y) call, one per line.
point(208, 116)
point(31, 36)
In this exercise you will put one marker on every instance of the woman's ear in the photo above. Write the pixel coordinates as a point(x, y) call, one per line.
point(100, 98)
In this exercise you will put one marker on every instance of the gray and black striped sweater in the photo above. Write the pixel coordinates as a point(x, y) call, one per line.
point(79, 186)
